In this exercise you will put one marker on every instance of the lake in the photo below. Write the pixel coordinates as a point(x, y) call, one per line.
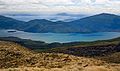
point(60, 37)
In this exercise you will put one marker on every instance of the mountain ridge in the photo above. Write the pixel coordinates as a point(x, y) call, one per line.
point(104, 22)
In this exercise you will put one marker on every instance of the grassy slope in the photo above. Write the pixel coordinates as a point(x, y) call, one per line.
point(96, 48)
point(86, 48)
point(39, 45)
point(17, 58)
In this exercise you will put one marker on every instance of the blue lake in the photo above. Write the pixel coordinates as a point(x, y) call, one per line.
point(61, 37)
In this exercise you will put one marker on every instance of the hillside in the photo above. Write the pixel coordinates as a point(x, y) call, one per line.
point(95, 48)
point(10, 23)
point(43, 46)
point(14, 57)
point(88, 49)
point(106, 23)
point(103, 22)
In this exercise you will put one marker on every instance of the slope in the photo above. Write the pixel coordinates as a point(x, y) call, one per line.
point(15, 57)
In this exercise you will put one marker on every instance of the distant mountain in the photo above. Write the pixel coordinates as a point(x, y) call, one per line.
point(97, 23)
point(63, 14)
point(67, 17)
point(72, 15)
point(53, 17)
point(43, 25)
point(39, 25)
point(10, 23)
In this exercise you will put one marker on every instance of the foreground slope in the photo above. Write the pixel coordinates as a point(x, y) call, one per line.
point(14, 57)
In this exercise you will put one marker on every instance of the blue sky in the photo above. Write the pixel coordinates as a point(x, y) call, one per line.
point(60, 6)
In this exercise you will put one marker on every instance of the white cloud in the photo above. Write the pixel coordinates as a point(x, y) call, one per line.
point(56, 6)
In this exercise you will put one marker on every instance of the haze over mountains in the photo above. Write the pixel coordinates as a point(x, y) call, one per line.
point(97, 23)
point(53, 17)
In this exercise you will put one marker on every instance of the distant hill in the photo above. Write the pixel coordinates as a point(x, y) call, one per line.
point(43, 25)
point(10, 23)
point(97, 23)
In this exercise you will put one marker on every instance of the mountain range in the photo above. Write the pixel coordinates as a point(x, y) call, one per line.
point(52, 17)
point(103, 22)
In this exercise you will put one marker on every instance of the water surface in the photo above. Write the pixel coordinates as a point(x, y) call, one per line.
point(61, 37)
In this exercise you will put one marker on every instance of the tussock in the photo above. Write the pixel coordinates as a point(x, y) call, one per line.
point(14, 57)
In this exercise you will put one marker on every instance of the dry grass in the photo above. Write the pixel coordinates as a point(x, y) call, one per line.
point(14, 57)
point(74, 68)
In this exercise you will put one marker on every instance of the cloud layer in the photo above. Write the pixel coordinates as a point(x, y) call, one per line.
point(58, 6)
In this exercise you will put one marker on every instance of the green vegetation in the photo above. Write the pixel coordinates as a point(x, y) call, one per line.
point(95, 48)
point(40, 45)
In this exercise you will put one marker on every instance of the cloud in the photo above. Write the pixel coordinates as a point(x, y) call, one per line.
point(114, 0)
point(58, 6)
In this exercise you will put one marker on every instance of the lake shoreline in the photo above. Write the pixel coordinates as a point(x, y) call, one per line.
point(61, 37)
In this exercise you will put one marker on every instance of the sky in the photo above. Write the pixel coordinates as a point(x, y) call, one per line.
point(60, 6)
